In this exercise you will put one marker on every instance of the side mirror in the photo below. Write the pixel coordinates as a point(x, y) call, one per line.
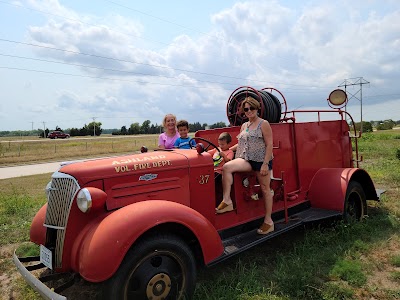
point(200, 148)
point(144, 149)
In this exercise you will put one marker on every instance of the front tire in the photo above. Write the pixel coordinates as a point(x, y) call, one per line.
point(160, 267)
point(355, 203)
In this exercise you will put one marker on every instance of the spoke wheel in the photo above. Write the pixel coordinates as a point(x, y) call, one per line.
point(161, 267)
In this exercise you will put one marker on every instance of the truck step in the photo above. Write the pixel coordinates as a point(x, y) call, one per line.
point(246, 240)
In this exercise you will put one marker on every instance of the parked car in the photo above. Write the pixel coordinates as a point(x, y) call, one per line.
point(58, 135)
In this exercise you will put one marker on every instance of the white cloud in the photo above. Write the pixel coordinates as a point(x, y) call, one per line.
point(304, 50)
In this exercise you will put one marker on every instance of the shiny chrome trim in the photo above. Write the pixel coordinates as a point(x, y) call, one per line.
point(54, 227)
point(35, 283)
point(60, 196)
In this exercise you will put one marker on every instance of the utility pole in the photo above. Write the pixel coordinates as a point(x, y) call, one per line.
point(44, 129)
point(354, 82)
point(94, 126)
point(32, 125)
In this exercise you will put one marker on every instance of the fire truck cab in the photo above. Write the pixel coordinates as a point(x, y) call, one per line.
point(143, 223)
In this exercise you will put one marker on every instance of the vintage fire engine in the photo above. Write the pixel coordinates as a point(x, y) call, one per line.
point(143, 223)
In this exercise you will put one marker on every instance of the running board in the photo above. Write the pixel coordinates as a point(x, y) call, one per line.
point(249, 239)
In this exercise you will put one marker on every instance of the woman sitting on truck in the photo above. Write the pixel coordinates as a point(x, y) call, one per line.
point(253, 152)
point(166, 140)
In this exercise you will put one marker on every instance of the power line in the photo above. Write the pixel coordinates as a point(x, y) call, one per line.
point(80, 21)
point(107, 78)
point(136, 36)
point(158, 18)
point(358, 81)
point(94, 126)
point(119, 60)
point(126, 7)
point(146, 64)
point(190, 28)
point(106, 69)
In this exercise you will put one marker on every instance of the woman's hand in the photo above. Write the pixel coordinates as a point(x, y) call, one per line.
point(264, 170)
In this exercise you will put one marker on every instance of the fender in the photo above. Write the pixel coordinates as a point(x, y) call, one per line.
point(100, 249)
point(38, 231)
point(328, 187)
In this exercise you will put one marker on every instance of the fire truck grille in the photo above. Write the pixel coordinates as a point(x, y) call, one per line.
point(60, 195)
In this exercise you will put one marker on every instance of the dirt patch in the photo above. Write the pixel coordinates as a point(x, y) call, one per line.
point(380, 278)
point(8, 273)
point(7, 251)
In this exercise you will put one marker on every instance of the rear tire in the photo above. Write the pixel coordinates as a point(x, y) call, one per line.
point(355, 203)
point(160, 267)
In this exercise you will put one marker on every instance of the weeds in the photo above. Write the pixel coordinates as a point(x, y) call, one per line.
point(317, 262)
point(18, 206)
point(349, 271)
point(329, 263)
point(395, 260)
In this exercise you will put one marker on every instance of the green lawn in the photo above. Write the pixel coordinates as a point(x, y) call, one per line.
point(320, 261)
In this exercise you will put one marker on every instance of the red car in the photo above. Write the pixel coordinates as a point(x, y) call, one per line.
point(58, 135)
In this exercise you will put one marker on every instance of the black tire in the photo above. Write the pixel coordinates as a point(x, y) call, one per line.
point(160, 267)
point(354, 206)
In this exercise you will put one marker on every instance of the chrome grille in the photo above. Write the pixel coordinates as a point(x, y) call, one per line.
point(60, 195)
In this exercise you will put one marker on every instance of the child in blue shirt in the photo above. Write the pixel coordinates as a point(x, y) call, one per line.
point(183, 141)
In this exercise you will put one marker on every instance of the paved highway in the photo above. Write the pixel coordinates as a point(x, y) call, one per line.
point(42, 168)
point(25, 170)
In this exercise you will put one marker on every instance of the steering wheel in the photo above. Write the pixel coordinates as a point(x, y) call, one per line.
point(208, 146)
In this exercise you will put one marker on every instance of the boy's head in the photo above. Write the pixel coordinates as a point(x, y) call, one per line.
point(183, 128)
point(224, 140)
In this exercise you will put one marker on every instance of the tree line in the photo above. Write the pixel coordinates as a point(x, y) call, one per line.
point(94, 128)
point(148, 128)
point(378, 125)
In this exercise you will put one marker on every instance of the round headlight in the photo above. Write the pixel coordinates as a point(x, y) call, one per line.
point(84, 200)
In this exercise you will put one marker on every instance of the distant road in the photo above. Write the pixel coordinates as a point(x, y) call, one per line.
point(76, 138)
point(34, 169)
point(17, 171)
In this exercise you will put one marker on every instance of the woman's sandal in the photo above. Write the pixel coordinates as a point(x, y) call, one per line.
point(265, 228)
point(223, 208)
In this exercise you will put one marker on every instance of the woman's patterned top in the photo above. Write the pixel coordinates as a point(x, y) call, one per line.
point(251, 144)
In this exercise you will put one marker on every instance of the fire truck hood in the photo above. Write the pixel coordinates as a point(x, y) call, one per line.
point(144, 163)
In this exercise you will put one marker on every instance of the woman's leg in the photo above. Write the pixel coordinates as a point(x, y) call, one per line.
point(235, 165)
point(264, 181)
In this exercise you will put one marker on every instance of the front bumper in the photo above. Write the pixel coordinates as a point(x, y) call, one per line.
point(37, 283)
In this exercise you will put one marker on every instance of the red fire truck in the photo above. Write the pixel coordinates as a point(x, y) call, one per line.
point(142, 224)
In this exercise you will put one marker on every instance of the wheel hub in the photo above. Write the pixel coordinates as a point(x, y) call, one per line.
point(158, 287)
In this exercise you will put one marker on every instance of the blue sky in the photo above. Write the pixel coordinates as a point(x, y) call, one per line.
point(65, 63)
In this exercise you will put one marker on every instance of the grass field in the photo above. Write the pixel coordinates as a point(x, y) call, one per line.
point(320, 261)
point(23, 151)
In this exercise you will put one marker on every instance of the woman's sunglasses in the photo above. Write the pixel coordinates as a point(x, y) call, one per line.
point(246, 109)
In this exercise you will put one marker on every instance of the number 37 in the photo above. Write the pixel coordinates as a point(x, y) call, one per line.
point(204, 179)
